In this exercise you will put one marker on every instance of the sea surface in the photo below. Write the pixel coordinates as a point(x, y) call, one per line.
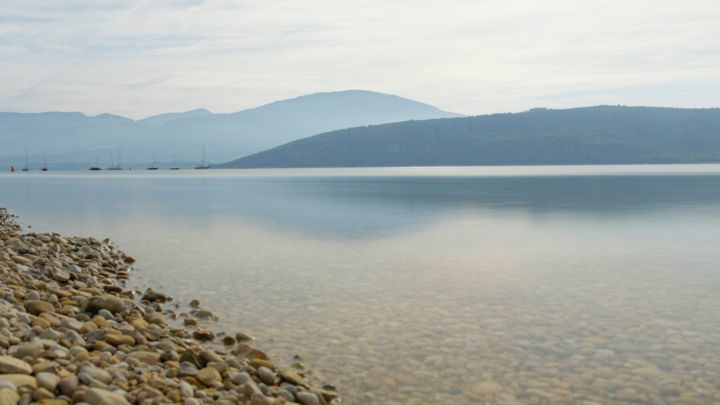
point(449, 285)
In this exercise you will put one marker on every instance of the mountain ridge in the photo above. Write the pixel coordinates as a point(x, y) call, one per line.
point(583, 135)
point(164, 118)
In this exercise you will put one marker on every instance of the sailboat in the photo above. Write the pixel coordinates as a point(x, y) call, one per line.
point(112, 163)
point(97, 165)
point(203, 165)
point(44, 168)
point(174, 166)
point(153, 167)
point(27, 162)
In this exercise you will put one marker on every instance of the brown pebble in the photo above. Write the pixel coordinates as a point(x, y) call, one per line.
point(117, 339)
point(36, 307)
point(203, 334)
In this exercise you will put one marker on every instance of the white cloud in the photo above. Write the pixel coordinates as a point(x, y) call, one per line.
point(142, 57)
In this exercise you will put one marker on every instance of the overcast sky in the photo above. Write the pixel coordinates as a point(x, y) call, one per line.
point(138, 58)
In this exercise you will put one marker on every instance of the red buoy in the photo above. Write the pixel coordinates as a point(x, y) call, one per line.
point(12, 168)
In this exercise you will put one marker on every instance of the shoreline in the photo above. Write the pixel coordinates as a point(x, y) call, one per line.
point(70, 332)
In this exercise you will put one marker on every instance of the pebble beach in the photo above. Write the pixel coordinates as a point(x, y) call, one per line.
point(71, 332)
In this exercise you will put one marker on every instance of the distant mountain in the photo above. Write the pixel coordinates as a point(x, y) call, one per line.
point(273, 124)
point(162, 119)
point(591, 135)
point(72, 139)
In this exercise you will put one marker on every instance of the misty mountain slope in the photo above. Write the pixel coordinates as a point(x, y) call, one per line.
point(592, 135)
point(61, 132)
point(77, 138)
point(162, 119)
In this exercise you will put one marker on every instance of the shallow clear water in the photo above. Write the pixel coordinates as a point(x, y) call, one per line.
point(587, 284)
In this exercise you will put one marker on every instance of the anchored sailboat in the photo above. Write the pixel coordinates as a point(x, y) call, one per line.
point(112, 162)
point(27, 162)
point(153, 167)
point(44, 168)
point(97, 165)
point(203, 165)
point(174, 166)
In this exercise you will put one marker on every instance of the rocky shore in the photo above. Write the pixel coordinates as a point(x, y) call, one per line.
point(72, 333)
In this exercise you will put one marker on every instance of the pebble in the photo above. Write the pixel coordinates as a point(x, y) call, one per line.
point(97, 396)
point(202, 314)
point(68, 385)
point(19, 380)
point(48, 381)
point(209, 356)
point(108, 302)
point(266, 375)
point(96, 373)
point(11, 365)
point(8, 397)
point(242, 337)
point(146, 357)
point(155, 318)
point(118, 339)
point(240, 378)
point(36, 307)
point(186, 389)
point(291, 376)
point(187, 370)
point(286, 395)
point(208, 376)
point(203, 335)
point(307, 398)
point(41, 394)
point(260, 399)
point(27, 350)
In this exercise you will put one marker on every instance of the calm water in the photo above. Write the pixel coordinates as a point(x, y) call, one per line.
point(447, 285)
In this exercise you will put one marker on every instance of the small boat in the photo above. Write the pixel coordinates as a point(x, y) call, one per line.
point(153, 167)
point(44, 168)
point(112, 163)
point(27, 164)
point(174, 166)
point(203, 165)
point(96, 167)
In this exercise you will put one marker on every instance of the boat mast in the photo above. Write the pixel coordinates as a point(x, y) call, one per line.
point(27, 162)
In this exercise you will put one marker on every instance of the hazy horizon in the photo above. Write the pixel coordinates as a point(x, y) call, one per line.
point(200, 108)
point(139, 59)
point(143, 117)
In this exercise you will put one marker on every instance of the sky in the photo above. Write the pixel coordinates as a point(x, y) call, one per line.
point(139, 58)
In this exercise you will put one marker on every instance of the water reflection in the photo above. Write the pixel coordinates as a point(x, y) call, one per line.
point(352, 207)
